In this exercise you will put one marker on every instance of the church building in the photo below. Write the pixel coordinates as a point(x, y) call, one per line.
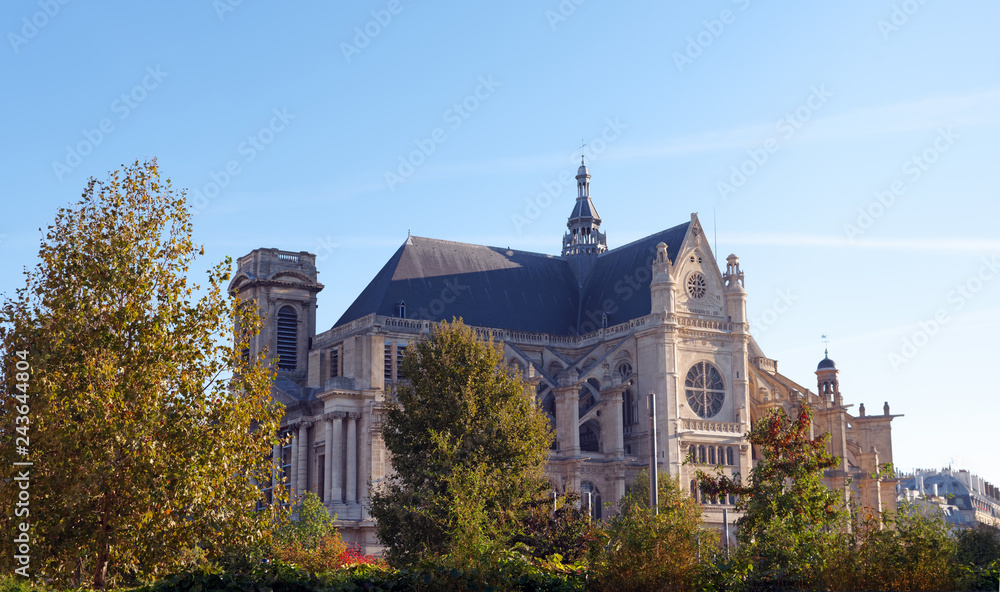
point(593, 330)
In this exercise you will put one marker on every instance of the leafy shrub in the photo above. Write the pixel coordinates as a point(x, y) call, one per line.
point(644, 552)
point(910, 550)
point(567, 531)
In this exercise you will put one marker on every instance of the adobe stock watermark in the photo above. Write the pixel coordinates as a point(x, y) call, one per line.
point(454, 116)
point(123, 106)
point(22, 426)
point(325, 248)
point(249, 149)
point(564, 10)
point(224, 7)
point(31, 26)
point(629, 285)
point(899, 16)
point(913, 169)
point(451, 292)
point(786, 127)
point(551, 190)
point(711, 30)
point(363, 35)
point(957, 298)
point(781, 304)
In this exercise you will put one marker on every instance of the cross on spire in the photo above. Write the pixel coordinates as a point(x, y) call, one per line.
point(582, 144)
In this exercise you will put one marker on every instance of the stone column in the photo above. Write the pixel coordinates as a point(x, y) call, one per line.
point(352, 457)
point(568, 419)
point(614, 425)
point(303, 460)
point(336, 460)
point(327, 484)
point(293, 479)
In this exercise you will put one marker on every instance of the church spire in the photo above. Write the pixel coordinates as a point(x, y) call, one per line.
point(584, 236)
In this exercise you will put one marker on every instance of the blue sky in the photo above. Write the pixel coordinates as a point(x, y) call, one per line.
point(845, 151)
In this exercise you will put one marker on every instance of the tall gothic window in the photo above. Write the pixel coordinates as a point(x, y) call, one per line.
point(595, 498)
point(630, 408)
point(335, 362)
point(288, 338)
point(400, 352)
point(387, 363)
point(590, 437)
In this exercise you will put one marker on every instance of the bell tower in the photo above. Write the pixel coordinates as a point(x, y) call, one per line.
point(285, 285)
point(583, 240)
point(827, 382)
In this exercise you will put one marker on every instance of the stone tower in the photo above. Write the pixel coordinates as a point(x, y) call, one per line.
point(285, 285)
point(583, 240)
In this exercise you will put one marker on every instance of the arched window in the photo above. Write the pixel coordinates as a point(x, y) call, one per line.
point(586, 401)
point(711, 455)
point(401, 309)
point(623, 370)
point(590, 437)
point(701, 454)
point(288, 338)
point(630, 408)
point(729, 455)
point(595, 498)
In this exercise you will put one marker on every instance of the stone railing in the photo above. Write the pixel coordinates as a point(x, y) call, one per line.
point(704, 425)
point(505, 335)
point(705, 324)
point(765, 364)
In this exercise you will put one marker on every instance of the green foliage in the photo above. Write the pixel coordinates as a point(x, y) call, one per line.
point(468, 443)
point(978, 546)
point(910, 550)
point(647, 552)
point(977, 558)
point(790, 518)
point(312, 524)
point(311, 542)
point(567, 531)
point(143, 447)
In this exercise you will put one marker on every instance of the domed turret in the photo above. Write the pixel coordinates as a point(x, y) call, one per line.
point(827, 382)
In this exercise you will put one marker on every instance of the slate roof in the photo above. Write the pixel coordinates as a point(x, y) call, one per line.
point(514, 290)
point(584, 208)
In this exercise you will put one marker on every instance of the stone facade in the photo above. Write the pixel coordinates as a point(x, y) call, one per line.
point(649, 318)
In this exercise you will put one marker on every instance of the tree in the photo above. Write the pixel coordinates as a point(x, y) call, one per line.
point(652, 552)
point(149, 429)
point(790, 518)
point(468, 443)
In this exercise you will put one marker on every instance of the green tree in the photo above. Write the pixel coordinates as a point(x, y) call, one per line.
point(652, 552)
point(790, 518)
point(469, 445)
point(149, 428)
point(912, 549)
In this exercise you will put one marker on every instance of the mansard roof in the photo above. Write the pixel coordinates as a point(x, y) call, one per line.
point(514, 290)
